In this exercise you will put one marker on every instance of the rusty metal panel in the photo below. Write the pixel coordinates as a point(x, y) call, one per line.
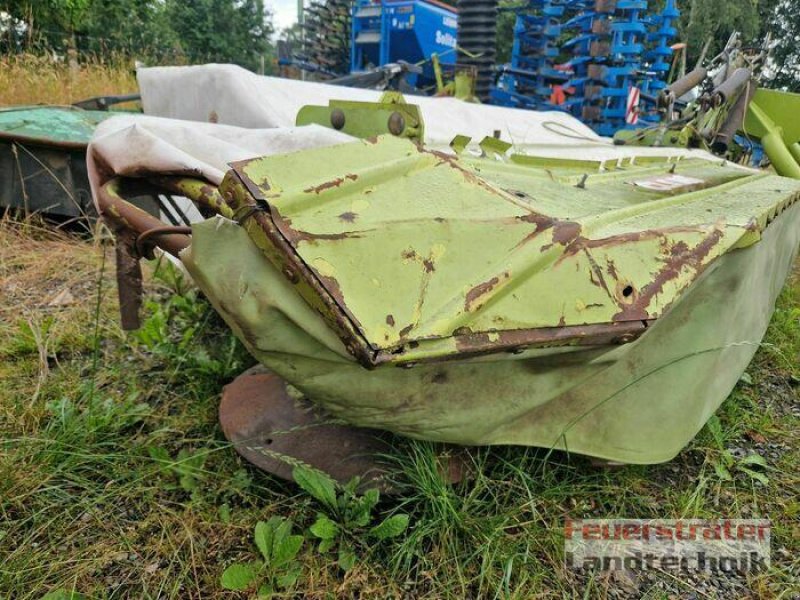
point(638, 402)
point(416, 255)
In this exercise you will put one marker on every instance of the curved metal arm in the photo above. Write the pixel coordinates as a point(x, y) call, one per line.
point(137, 232)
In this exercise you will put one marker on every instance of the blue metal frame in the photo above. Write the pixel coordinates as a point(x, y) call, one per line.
point(387, 31)
point(614, 46)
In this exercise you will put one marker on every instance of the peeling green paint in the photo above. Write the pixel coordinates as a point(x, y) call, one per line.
point(51, 124)
point(474, 254)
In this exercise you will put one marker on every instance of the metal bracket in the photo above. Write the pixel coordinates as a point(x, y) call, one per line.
point(391, 115)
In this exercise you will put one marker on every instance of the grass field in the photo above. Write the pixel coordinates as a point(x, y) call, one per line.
point(31, 79)
point(116, 481)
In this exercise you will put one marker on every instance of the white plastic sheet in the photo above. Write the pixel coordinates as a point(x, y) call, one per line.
point(234, 96)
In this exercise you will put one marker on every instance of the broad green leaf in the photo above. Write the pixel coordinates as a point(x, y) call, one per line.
point(351, 486)
point(285, 550)
point(288, 579)
point(391, 527)
point(715, 428)
point(263, 538)
point(188, 482)
point(758, 476)
point(746, 379)
point(265, 591)
point(317, 484)
point(722, 471)
point(324, 528)
point(727, 458)
point(371, 498)
point(326, 545)
point(754, 459)
point(359, 514)
point(347, 558)
point(159, 454)
point(239, 576)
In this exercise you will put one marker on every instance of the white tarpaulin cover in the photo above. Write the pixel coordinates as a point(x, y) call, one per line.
point(242, 115)
point(136, 146)
point(234, 96)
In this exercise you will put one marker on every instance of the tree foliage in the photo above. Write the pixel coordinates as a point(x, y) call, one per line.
point(235, 31)
point(221, 30)
point(785, 59)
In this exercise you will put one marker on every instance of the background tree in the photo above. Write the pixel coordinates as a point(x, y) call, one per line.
point(137, 28)
point(785, 60)
point(235, 31)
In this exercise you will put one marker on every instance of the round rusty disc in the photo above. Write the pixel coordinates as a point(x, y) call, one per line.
point(273, 430)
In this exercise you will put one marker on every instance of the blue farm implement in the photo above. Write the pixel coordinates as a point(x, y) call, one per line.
point(403, 31)
point(601, 61)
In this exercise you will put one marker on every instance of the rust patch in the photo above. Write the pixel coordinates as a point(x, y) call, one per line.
point(348, 217)
point(427, 263)
point(519, 339)
point(580, 243)
point(680, 256)
point(330, 184)
point(390, 320)
point(325, 186)
point(541, 221)
point(406, 330)
point(611, 269)
point(597, 272)
point(294, 236)
point(565, 232)
point(473, 296)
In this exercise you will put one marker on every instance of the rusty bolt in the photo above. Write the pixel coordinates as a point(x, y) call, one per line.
point(337, 118)
point(396, 123)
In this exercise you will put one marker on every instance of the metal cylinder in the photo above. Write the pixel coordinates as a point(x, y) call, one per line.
point(731, 87)
point(477, 33)
point(734, 120)
point(683, 85)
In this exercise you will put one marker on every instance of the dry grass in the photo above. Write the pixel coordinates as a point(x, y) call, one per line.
point(30, 79)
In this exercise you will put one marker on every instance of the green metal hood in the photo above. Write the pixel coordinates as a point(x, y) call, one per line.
point(414, 255)
point(51, 125)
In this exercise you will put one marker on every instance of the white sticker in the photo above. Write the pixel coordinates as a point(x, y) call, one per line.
point(666, 183)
